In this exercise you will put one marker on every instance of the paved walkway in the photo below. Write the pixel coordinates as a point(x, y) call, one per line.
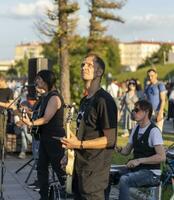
point(14, 187)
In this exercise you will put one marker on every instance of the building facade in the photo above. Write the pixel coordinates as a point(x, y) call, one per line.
point(30, 50)
point(133, 54)
point(5, 65)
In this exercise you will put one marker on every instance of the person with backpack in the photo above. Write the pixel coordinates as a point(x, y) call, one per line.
point(155, 93)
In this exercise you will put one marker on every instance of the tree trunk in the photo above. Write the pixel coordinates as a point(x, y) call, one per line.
point(63, 52)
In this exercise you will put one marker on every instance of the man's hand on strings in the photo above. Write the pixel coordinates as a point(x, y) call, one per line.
point(71, 143)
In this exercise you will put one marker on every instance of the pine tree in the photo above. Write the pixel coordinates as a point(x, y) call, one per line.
point(60, 26)
point(101, 11)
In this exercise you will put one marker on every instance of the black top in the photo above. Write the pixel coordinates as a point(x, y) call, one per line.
point(6, 94)
point(95, 114)
point(55, 126)
point(142, 149)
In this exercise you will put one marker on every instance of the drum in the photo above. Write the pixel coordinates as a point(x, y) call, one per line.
point(170, 153)
point(115, 173)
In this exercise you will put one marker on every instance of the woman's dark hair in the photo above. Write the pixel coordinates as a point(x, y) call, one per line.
point(48, 77)
point(145, 106)
point(131, 82)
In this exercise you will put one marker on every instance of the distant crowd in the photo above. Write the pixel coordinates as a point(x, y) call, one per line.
point(125, 94)
point(128, 92)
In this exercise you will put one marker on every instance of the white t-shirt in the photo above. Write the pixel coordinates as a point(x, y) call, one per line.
point(113, 90)
point(155, 138)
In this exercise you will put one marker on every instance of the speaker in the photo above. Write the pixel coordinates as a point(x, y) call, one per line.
point(34, 66)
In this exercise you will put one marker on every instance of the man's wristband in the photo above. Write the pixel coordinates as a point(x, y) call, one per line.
point(81, 144)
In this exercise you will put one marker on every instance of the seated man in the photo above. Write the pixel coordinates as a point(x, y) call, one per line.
point(148, 152)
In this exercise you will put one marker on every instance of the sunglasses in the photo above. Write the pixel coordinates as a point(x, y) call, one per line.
point(136, 110)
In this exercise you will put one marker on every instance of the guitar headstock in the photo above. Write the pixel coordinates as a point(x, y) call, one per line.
point(71, 109)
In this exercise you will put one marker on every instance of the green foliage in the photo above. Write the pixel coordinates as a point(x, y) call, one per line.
point(100, 12)
point(12, 72)
point(113, 56)
point(159, 57)
point(50, 50)
point(77, 51)
point(164, 71)
point(21, 67)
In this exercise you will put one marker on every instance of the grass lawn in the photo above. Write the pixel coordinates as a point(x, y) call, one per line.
point(164, 73)
point(119, 159)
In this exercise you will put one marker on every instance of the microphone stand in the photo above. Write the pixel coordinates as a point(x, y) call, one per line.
point(4, 119)
point(4, 123)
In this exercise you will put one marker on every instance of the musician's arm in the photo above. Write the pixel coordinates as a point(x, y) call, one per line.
point(126, 150)
point(7, 104)
point(106, 141)
point(50, 111)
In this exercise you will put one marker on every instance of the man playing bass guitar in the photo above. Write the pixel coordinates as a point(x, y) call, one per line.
point(96, 134)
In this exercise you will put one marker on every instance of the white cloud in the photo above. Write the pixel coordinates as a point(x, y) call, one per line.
point(150, 20)
point(144, 27)
point(26, 10)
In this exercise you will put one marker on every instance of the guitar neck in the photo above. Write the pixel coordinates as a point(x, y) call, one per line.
point(67, 129)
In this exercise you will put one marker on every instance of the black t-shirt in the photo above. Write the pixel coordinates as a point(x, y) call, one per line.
point(95, 114)
point(6, 94)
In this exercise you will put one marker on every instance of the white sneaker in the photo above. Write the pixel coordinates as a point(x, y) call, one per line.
point(22, 155)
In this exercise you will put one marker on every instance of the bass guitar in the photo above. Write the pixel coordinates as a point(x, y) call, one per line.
point(70, 152)
point(34, 130)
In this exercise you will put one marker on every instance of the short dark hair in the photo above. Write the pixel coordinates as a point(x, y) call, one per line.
point(152, 70)
point(48, 77)
point(98, 60)
point(145, 106)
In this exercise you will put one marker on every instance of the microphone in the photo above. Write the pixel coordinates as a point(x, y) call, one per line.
point(26, 86)
point(29, 85)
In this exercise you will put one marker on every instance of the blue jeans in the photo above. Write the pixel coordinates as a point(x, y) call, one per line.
point(136, 179)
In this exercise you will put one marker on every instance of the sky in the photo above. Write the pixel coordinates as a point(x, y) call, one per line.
point(151, 20)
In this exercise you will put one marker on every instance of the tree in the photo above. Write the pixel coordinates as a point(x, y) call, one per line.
point(12, 72)
point(21, 66)
point(158, 57)
point(76, 53)
point(98, 10)
point(61, 30)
